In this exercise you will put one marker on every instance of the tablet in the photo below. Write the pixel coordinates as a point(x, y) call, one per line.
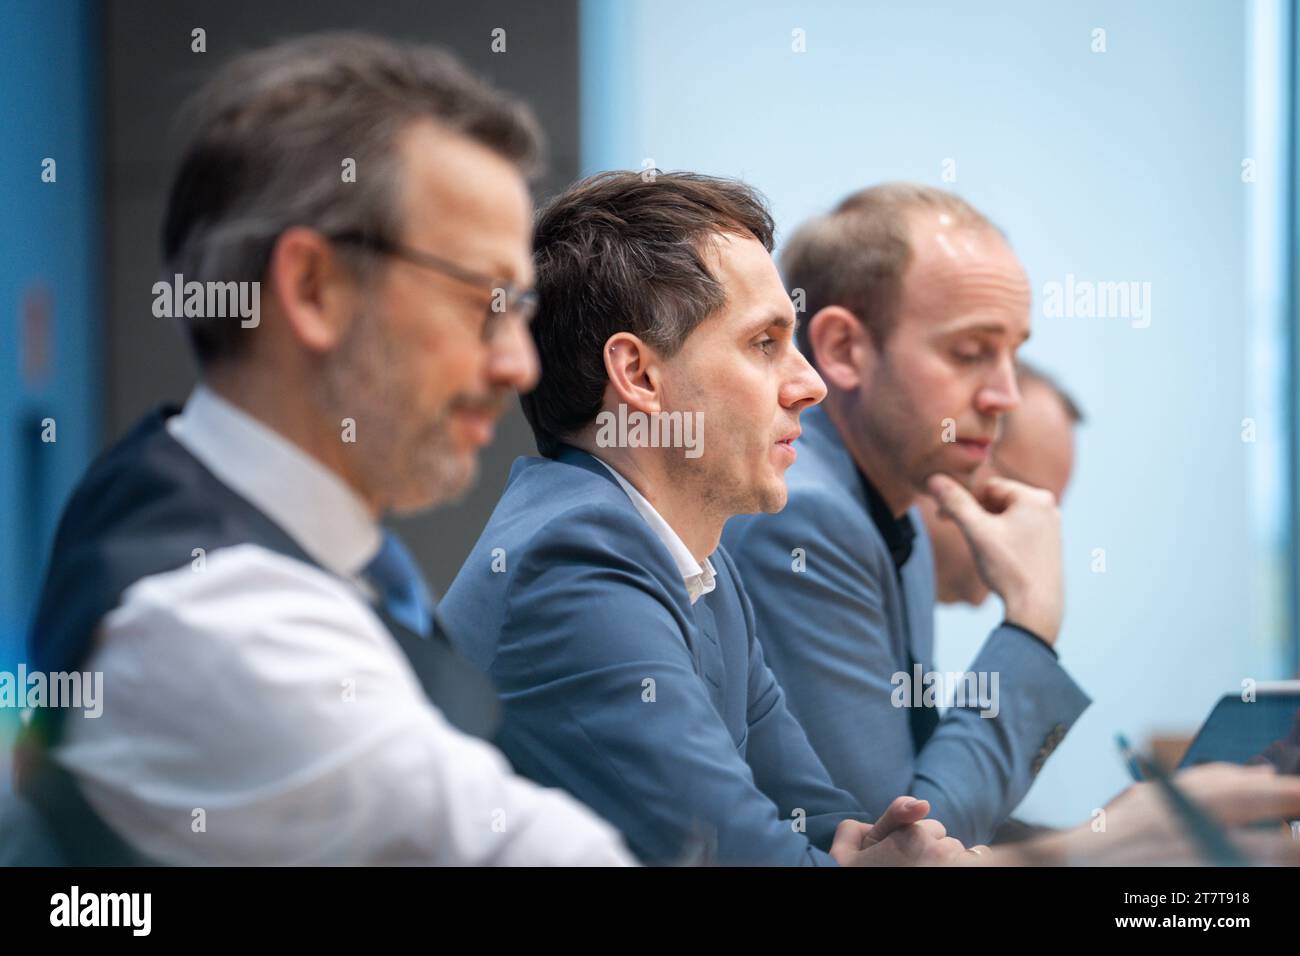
point(1238, 730)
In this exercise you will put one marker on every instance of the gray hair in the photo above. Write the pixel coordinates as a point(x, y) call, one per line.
point(267, 139)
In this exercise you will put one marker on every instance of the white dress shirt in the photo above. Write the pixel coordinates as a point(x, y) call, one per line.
point(256, 711)
point(699, 578)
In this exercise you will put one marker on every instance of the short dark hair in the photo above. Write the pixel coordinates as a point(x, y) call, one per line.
point(624, 252)
point(267, 136)
point(855, 255)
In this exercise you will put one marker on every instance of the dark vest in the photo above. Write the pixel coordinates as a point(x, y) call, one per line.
point(142, 509)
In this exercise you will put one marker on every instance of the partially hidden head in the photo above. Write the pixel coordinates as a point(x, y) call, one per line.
point(1036, 447)
point(916, 308)
point(377, 194)
point(661, 308)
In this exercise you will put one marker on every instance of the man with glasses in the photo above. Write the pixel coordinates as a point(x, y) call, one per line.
point(276, 686)
point(507, 299)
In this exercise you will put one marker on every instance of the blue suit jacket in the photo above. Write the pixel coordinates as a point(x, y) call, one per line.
point(660, 715)
point(838, 631)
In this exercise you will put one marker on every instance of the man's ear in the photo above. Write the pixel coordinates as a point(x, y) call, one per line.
point(312, 289)
point(635, 372)
point(841, 346)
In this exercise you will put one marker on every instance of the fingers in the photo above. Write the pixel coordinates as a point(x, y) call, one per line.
point(903, 812)
point(949, 850)
point(998, 493)
point(1269, 849)
point(927, 844)
point(994, 496)
point(1239, 795)
point(915, 838)
point(919, 843)
point(973, 856)
point(849, 838)
point(956, 502)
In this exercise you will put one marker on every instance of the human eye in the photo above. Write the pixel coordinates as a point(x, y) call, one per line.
point(970, 352)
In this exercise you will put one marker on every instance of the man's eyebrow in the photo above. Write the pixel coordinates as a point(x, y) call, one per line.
point(780, 320)
point(992, 328)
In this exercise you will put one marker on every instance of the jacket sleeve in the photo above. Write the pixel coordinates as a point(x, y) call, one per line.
point(827, 635)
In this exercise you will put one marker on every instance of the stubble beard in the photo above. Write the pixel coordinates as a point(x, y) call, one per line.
point(718, 493)
point(408, 463)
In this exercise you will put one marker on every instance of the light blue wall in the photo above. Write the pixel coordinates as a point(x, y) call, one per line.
point(49, 234)
point(1122, 165)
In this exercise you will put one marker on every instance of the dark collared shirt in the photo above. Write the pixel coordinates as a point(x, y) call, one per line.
point(898, 532)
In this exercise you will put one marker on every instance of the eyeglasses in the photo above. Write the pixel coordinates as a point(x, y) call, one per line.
point(507, 299)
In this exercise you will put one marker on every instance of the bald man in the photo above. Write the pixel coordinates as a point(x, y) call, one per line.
point(1036, 447)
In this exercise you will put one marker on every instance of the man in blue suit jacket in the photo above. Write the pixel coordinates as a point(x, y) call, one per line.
point(597, 598)
point(918, 307)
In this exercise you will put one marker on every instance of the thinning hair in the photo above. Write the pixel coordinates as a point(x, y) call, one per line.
point(855, 256)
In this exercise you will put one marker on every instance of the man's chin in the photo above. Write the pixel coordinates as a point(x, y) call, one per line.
point(452, 481)
point(773, 498)
point(756, 499)
point(963, 472)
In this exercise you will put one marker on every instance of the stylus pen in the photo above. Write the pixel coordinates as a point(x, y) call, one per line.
point(1214, 844)
point(1130, 758)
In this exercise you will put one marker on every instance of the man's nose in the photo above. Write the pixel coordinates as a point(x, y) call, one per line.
point(512, 358)
point(1000, 393)
point(804, 388)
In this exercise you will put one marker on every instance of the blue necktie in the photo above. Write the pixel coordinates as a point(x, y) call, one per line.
point(402, 591)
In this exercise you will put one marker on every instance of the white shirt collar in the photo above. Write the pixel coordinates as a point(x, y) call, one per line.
point(699, 578)
point(327, 519)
